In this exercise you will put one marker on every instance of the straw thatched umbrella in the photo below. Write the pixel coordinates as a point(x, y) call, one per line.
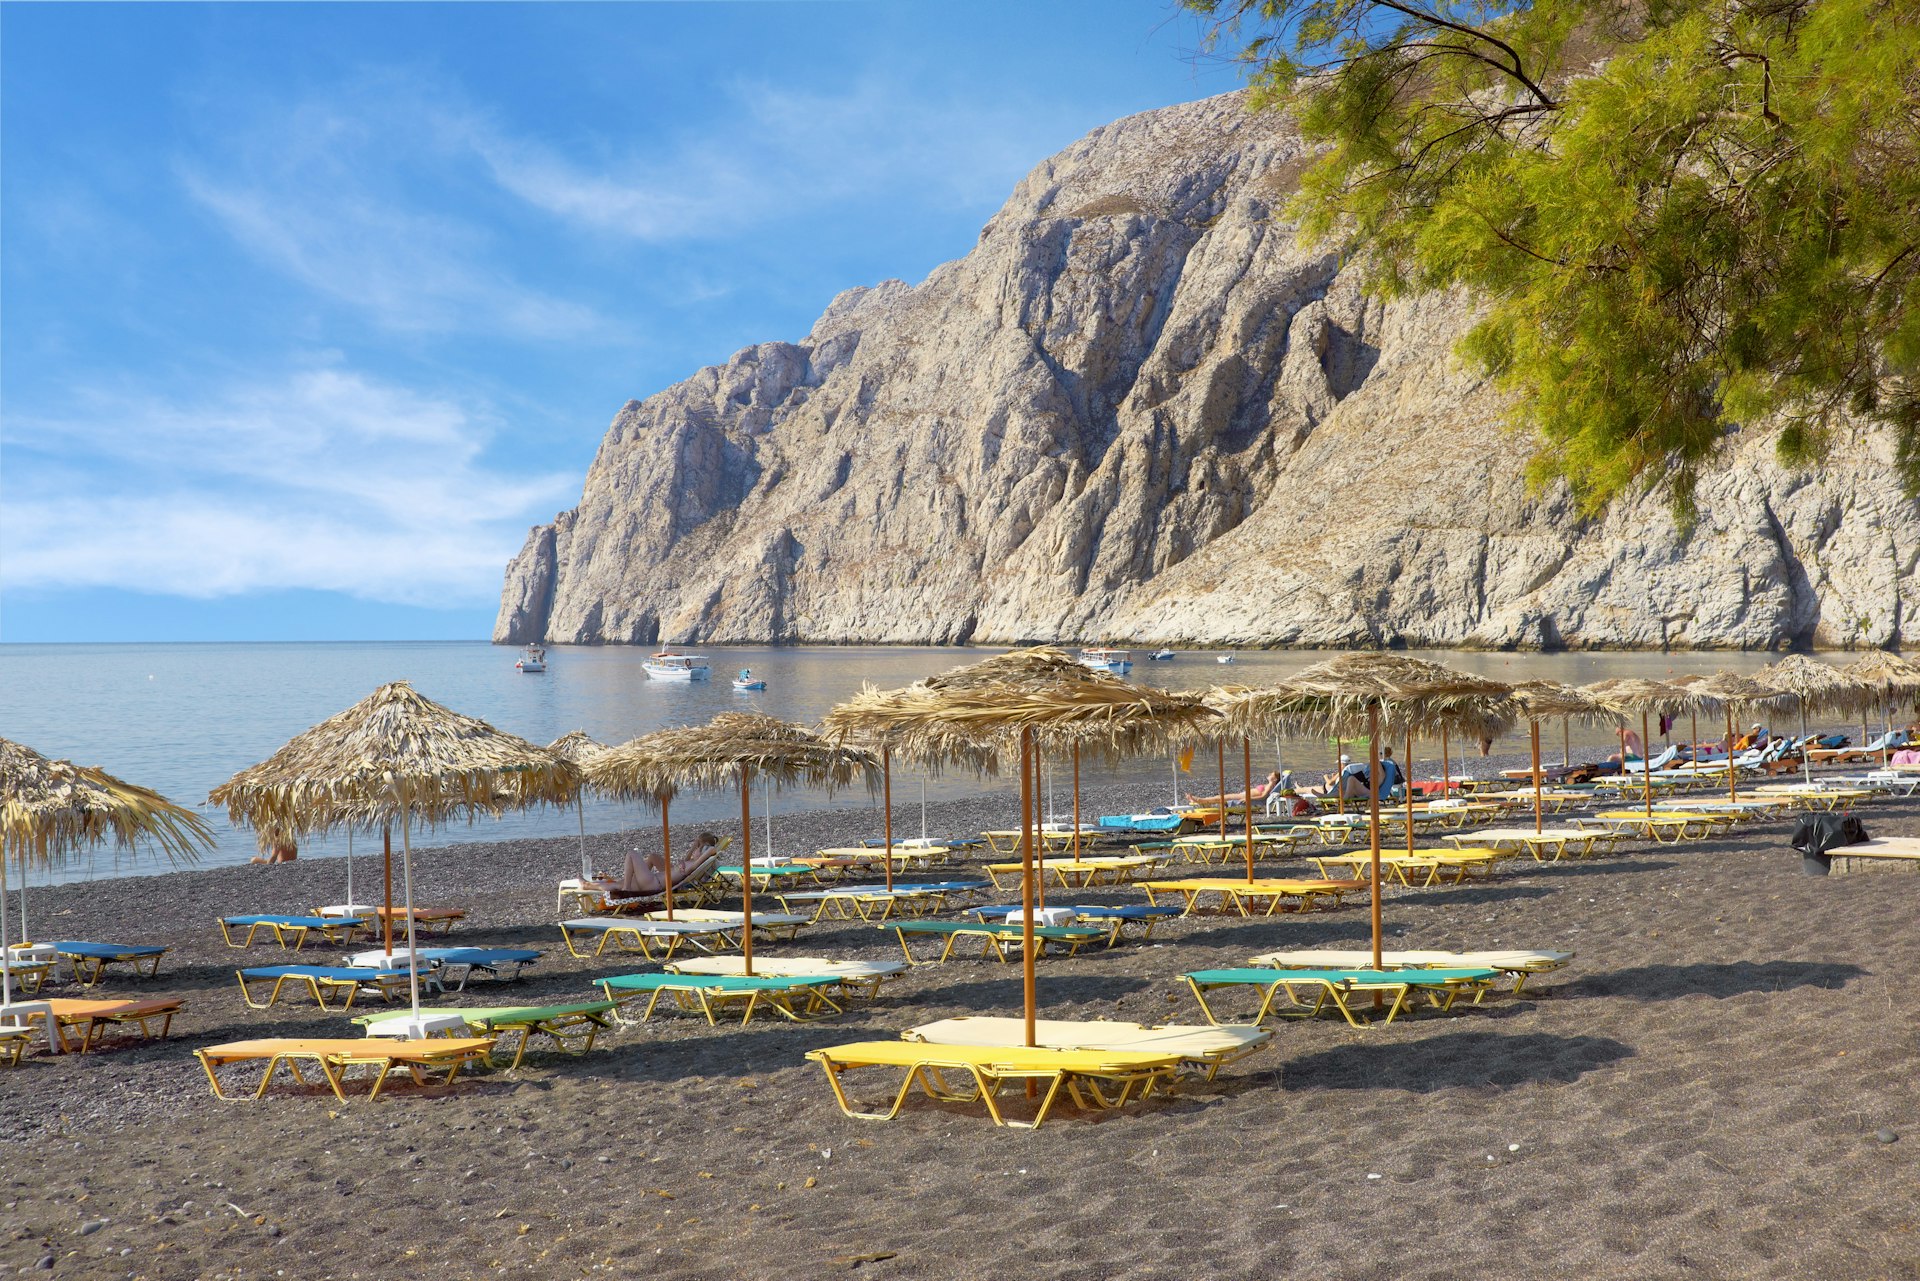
point(1539, 700)
point(394, 757)
point(50, 810)
point(1814, 686)
point(1383, 692)
point(1883, 679)
point(579, 747)
point(1028, 701)
point(737, 747)
point(1624, 696)
point(1736, 694)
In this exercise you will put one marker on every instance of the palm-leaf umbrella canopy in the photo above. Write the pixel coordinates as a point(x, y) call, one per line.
point(1882, 679)
point(1736, 695)
point(579, 747)
point(733, 747)
point(51, 809)
point(1815, 687)
point(393, 757)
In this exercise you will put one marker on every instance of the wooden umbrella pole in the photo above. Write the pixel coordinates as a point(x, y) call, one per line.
point(886, 814)
point(1733, 775)
point(1220, 753)
point(666, 843)
point(1076, 800)
point(1446, 766)
point(406, 882)
point(1534, 738)
point(579, 809)
point(1406, 772)
point(1373, 827)
point(1246, 752)
point(6, 954)
point(386, 845)
point(1646, 767)
point(1566, 742)
point(1339, 801)
point(1027, 941)
point(1039, 837)
point(746, 869)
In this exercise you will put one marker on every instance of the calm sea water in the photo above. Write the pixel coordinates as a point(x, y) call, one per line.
point(183, 718)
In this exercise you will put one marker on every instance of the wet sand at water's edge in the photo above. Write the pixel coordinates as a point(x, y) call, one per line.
point(1701, 1094)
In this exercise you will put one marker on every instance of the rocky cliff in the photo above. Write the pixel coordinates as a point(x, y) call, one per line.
point(1139, 410)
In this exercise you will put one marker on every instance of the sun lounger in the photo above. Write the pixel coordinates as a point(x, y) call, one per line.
point(1078, 874)
point(1087, 1075)
point(642, 936)
point(426, 920)
point(767, 875)
point(321, 980)
point(334, 1057)
point(710, 993)
point(1519, 964)
point(13, 1042)
point(862, 902)
point(994, 937)
point(89, 961)
point(335, 929)
point(1663, 827)
point(93, 1018)
point(776, 925)
point(1549, 845)
point(1203, 1049)
point(1246, 897)
point(1338, 988)
point(1005, 841)
point(1142, 824)
point(1421, 869)
point(573, 1027)
point(1115, 920)
point(27, 974)
point(855, 978)
point(454, 967)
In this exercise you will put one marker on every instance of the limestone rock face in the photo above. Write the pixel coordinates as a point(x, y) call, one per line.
point(1139, 410)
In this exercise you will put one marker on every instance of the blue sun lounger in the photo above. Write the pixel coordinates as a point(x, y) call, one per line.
point(1141, 823)
point(90, 960)
point(942, 887)
point(320, 980)
point(1338, 988)
point(491, 961)
point(335, 929)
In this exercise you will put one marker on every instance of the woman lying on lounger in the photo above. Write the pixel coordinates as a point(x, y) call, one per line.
point(645, 874)
point(1260, 791)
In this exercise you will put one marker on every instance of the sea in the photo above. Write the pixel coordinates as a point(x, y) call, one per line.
point(183, 718)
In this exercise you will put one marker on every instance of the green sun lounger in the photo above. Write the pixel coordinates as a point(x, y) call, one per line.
point(994, 937)
point(1312, 991)
point(572, 1027)
point(709, 993)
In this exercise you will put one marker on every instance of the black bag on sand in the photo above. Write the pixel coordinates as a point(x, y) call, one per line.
point(1815, 834)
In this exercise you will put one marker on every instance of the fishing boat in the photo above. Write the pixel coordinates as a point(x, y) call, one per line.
point(532, 659)
point(1160, 656)
point(1118, 661)
point(669, 666)
point(746, 680)
point(1224, 658)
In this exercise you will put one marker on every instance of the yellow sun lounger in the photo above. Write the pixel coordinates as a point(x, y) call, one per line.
point(93, 1018)
point(1548, 845)
point(1242, 896)
point(859, 902)
point(1077, 874)
point(574, 1028)
point(999, 939)
point(1094, 1079)
point(1419, 870)
point(13, 1041)
point(1520, 964)
point(334, 1057)
point(1664, 827)
point(1202, 1049)
point(626, 934)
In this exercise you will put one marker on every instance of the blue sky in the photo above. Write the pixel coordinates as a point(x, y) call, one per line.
point(308, 311)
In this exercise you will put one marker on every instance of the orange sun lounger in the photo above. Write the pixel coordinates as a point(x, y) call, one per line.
point(334, 1057)
point(426, 920)
point(93, 1018)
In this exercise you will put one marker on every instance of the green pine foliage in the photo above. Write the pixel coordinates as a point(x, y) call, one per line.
point(1683, 216)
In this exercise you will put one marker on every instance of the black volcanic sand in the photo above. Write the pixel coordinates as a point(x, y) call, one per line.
point(1706, 1092)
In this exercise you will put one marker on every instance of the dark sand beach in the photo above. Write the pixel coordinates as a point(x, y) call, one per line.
point(1705, 1092)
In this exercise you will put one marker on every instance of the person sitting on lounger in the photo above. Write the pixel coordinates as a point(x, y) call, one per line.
point(698, 862)
point(644, 876)
point(1393, 781)
point(1755, 737)
point(1260, 791)
point(280, 851)
point(1350, 784)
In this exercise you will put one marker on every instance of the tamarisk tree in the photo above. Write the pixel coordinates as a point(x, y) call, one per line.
point(1683, 216)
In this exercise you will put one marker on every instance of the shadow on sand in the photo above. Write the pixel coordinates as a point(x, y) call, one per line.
point(1452, 1061)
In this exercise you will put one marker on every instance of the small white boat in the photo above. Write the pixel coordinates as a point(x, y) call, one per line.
point(1160, 656)
point(746, 680)
point(1118, 661)
point(669, 666)
point(1224, 658)
point(532, 659)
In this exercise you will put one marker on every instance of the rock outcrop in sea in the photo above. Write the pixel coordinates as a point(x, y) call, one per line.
point(1139, 410)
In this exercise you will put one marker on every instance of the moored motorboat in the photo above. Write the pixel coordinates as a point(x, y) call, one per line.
point(1160, 656)
point(532, 660)
point(746, 680)
point(1224, 658)
point(1118, 661)
point(669, 666)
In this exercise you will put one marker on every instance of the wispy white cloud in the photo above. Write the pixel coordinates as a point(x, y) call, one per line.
point(324, 479)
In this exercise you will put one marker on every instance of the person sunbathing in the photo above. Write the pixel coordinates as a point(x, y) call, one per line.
point(644, 876)
point(1260, 791)
point(279, 852)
